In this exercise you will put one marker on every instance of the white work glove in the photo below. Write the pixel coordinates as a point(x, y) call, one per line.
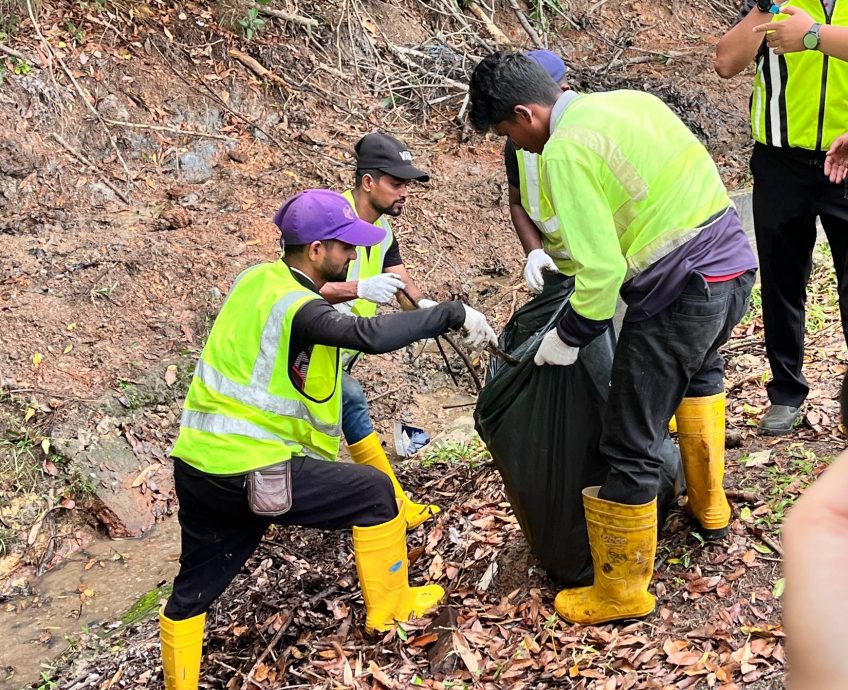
point(478, 331)
point(538, 261)
point(554, 351)
point(379, 289)
point(425, 303)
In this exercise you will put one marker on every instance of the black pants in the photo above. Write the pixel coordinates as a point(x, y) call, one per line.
point(658, 362)
point(790, 190)
point(219, 532)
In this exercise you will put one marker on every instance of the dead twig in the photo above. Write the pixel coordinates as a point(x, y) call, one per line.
point(309, 22)
point(624, 62)
point(528, 27)
point(273, 643)
point(450, 341)
point(256, 67)
point(383, 395)
point(739, 495)
point(493, 29)
point(174, 130)
point(765, 538)
point(447, 362)
point(21, 56)
point(82, 159)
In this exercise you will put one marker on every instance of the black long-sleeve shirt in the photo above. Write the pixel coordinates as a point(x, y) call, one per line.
point(319, 323)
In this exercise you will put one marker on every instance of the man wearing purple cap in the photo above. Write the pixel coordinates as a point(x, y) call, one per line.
point(532, 214)
point(260, 429)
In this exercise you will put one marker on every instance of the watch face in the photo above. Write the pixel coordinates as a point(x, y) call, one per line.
point(811, 41)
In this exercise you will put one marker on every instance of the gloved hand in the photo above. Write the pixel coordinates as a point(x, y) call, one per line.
point(554, 351)
point(478, 331)
point(380, 288)
point(425, 303)
point(537, 261)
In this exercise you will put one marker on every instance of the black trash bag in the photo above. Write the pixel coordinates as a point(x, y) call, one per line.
point(542, 426)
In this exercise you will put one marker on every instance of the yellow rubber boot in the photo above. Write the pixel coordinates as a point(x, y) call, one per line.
point(182, 643)
point(383, 568)
point(369, 451)
point(700, 433)
point(623, 540)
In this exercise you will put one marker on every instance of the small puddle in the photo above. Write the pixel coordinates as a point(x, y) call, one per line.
point(35, 629)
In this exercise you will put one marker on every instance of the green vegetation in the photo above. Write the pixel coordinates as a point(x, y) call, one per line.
point(252, 23)
point(146, 605)
point(473, 453)
point(784, 483)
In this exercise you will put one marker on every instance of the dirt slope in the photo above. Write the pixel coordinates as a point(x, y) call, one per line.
point(98, 296)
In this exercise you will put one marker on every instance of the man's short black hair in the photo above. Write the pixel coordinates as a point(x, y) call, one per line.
point(292, 249)
point(362, 172)
point(504, 80)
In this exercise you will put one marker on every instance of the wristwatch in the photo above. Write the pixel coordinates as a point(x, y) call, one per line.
point(811, 38)
point(767, 6)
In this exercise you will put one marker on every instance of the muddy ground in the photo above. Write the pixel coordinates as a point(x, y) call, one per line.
point(108, 289)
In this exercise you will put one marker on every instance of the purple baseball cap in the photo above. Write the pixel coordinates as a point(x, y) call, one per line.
point(319, 214)
point(550, 62)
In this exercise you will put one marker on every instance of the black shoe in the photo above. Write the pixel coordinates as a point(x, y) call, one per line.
point(779, 420)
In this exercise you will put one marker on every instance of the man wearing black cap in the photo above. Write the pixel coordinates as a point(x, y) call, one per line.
point(384, 170)
point(263, 411)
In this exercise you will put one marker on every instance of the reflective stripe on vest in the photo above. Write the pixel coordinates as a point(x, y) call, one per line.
point(221, 424)
point(540, 210)
point(242, 411)
point(256, 395)
point(800, 99)
point(368, 263)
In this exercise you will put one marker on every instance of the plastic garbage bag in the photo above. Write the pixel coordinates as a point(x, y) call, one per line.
point(542, 426)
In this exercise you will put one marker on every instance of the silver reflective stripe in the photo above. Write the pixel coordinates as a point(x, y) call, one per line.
point(759, 90)
point(531, 184)
point(651, 254)
point(549, 227)
point(269, 344)
point(257, 396)
point(221, 424)
point(607, 150)
point(773, 112)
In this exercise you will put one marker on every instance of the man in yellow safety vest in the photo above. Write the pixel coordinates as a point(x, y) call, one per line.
point(264, 409)
point(799, 109)
point(384, 171)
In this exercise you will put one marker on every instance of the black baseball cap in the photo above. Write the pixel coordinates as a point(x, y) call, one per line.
point(378, 151)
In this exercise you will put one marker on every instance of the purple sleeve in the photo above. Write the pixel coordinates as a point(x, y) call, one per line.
point(577, 331)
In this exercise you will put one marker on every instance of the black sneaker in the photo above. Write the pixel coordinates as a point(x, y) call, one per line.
point(779, 420)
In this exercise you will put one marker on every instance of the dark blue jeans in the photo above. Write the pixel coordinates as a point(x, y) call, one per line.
point(356, 420)
point(659, 361)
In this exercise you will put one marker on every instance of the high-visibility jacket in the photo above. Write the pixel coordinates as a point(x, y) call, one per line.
point(629, 183)
point(801, 99)
point(242, 411)
point(540, 211)
point(367, 264)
